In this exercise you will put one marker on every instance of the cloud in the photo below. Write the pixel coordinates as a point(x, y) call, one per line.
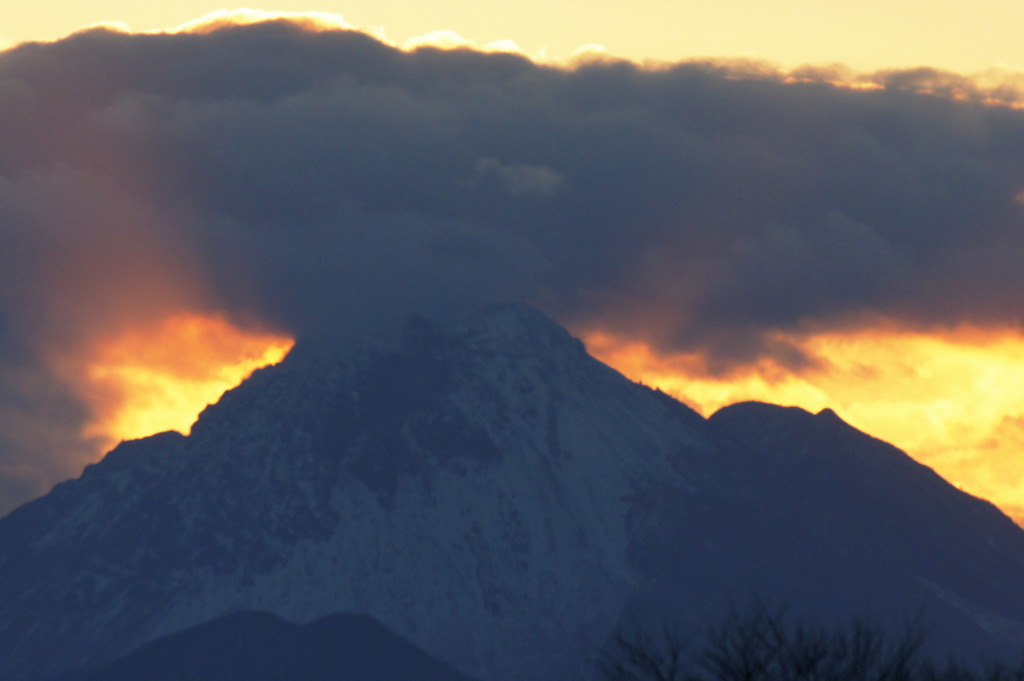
point(321, 182)
point(229, 18)
point(521, 179)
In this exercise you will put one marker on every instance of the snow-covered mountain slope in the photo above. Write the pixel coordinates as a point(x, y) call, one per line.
point(470, 490)
point(257, 646)
point(499, 498)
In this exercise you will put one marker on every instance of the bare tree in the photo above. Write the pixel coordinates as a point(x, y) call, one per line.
point(762, 645)
point(645, 655)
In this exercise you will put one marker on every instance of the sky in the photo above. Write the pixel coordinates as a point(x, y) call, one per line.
point(869, 35)
point(178, 207)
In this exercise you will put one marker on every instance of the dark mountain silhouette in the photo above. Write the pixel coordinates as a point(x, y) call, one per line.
point(502, 500)
point(258, 646)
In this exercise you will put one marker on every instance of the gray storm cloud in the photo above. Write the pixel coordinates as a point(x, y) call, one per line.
point(326, 183)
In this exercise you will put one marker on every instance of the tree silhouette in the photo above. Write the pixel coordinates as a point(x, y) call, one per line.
point(763, 645)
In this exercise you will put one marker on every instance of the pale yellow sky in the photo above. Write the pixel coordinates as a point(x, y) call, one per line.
point(867, 35)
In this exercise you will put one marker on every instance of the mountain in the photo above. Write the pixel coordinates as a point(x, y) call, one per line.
point(501, 499)
point(256, 646)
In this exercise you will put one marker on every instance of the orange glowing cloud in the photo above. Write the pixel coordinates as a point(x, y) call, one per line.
point(450, 40)
point(149, 379)
point(222, 18)
point(954, 400)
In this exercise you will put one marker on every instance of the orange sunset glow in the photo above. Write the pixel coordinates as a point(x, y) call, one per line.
point(147, 380)
point(954, 401)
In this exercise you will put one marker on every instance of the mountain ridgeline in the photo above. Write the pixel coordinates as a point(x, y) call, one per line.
point(255, 646)
point(503, 501)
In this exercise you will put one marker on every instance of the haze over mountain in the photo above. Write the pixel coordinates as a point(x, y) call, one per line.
point(502, 500)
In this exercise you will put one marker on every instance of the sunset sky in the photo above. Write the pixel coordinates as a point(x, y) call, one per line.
point(866, 36)
point(839, 226)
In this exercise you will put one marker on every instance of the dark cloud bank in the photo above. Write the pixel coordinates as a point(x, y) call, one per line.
point(325, 183)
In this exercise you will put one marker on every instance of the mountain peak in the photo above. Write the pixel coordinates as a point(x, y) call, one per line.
point(827, 415)
point(493, 494)
point(260, 646)
point(517, 329)
point(754, 421)
point(751, 420)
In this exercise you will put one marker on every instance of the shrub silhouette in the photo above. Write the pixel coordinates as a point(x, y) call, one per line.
point(764, 646)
